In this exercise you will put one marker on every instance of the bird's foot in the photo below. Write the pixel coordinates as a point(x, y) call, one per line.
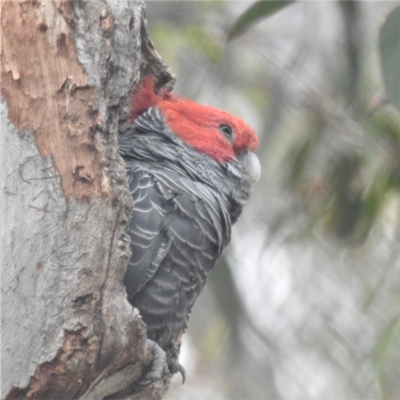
point(161, 366)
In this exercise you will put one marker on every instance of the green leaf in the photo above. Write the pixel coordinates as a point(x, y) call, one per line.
point(389, 42)
point(258, 10)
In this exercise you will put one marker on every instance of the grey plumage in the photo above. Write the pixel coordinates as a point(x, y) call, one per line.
point(184, 205)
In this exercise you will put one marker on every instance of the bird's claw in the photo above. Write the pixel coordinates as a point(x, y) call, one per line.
point(161, 366)
point(175, 367)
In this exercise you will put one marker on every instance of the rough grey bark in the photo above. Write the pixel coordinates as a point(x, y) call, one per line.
point(68, 69)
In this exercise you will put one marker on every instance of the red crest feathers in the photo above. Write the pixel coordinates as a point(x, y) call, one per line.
point(145, 97)
point(198, 125)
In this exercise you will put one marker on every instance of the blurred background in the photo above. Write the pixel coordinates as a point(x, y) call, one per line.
point(305, 303)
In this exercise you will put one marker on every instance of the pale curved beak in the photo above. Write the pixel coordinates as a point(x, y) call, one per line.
point(251, 164)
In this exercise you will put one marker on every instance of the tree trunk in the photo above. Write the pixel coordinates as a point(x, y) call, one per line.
point(68, 69)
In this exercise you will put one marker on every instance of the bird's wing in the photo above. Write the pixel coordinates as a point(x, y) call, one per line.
point(149, 244)
point(178, 231)
point(172, 210)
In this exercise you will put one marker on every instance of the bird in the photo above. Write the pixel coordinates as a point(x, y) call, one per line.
point(190, 170)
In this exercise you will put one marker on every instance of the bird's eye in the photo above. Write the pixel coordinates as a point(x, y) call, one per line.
point(227, 131)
